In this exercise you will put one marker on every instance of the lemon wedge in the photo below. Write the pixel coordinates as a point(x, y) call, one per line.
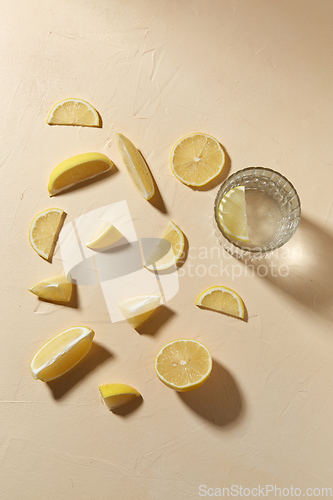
point(137, 309)
point(105, 236)
point(136, 166)
point(55, 289)
point(222, 299)
point(77, 169)
point(74, 112)
point(168, 251)
point(115, 395)
point(232, 214)
point(197, 159)
point(183, 365)
point(44, 231)
point(61, 353)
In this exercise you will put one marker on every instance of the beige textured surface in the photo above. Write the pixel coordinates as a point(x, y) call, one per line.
point(258, 76)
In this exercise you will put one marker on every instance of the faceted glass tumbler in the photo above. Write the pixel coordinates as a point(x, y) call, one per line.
point(273, 211)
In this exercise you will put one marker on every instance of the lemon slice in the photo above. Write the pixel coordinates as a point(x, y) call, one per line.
point(197, 159)
point(114, 395)
point(105, 236)
point(168, 251)
point(232, 214)
point(44, 231)
point(222, 299)
point(61, 353)
point(77, 169)
point(137, 309)
point(136, 167)
point(55, 289)
point(74, 112)
point(183, 365)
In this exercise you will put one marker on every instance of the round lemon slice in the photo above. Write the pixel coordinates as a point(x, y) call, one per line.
point(136, 166)
point(222, 299)
point(55, 289)
point(137, 309)
point(44, 231)
point(61, 353)
point(232, 214)
point(183, 365)
point(74, 112)
point(168, 251)
point(197, 159)
point(77, 169)
point(105, 236)
point(115, 395)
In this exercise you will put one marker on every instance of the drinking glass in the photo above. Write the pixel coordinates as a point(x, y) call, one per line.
point(273, 212)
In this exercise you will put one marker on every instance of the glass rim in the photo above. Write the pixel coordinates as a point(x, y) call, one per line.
point(243, 248)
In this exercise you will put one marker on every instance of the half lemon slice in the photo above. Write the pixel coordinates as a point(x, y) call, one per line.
point(77, 169)
point(136, 166)
point(222, 299)
point(197, 159)
point(232, 214)
point(61, 353)
point(105, 236)
point(44, 231)
point(137, 309)
point(115, 395)
point(183, 365)
point(74, 112)
point(168, 251)
point(55, 289)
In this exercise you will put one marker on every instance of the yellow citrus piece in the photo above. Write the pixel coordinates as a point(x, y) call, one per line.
point(77, 169)
point(222, 299)
point(55, 289)
point(105, 236)
point(61, 353)
point(232, 214)
point(169, 250)
point(74, 112)
point(137, 309)
point(183, 365)
point(136, 166)
point(114, 395)
point(197, 159)
point(44, 231)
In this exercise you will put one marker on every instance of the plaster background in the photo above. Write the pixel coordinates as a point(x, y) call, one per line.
point(258, 76)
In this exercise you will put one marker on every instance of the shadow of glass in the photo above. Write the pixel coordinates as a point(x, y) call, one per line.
point(302, 268)
point(95, 357)
point(220, 178)
point(158, 319)
point(218, 400)
point(128, 408)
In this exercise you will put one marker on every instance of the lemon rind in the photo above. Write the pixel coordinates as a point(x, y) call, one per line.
point(73, 162)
